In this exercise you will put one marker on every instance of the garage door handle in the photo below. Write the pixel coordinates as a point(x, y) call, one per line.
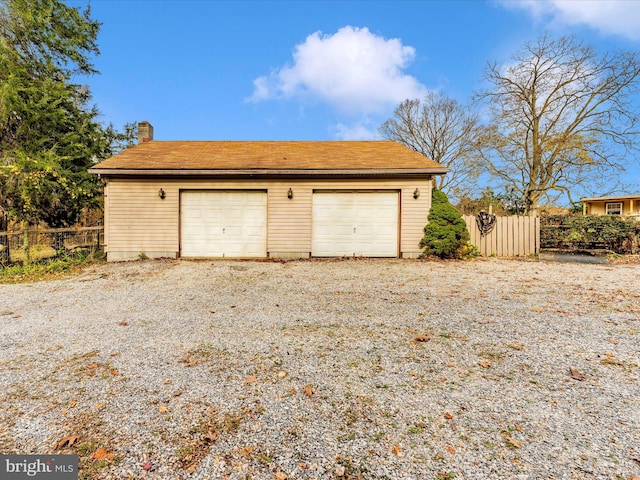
point(223, 230)
point(354, 229)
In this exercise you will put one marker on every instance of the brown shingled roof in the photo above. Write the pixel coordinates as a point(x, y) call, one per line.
point(268, 157)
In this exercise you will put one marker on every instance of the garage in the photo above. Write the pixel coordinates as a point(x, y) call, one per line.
point(223, 223)
point(355, 223)
point(265, 199)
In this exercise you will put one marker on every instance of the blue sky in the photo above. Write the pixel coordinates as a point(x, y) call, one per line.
point(315, 70)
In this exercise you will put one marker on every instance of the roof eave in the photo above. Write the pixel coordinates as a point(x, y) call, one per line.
point(614, 198)
point(112, 172)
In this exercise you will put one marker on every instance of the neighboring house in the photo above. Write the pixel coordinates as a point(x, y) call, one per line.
point(624, 205)
point(248, 199)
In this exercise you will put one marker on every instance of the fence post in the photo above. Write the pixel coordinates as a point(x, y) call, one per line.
point(25, 241)
point(5, 255)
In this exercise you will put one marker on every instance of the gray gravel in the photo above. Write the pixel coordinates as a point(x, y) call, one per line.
point(311, 369)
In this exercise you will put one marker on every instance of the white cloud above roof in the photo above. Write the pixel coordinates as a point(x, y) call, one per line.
point(353, 70)
point(612, 17)
point(362, 130)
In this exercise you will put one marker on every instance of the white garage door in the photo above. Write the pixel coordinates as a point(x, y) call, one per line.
point(223, 224)
point(355, 224)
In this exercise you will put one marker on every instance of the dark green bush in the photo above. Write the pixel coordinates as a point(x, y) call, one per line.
point(446, 234)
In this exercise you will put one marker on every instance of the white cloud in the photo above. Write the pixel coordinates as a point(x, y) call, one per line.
point(358, 131)
point(354, 70)
point(612, 17)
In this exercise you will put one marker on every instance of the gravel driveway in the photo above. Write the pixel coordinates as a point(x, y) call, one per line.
point(314, 369)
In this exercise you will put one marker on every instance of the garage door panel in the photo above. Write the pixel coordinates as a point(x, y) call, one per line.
point(254, 231)
point(355, 223)
point(223, 224)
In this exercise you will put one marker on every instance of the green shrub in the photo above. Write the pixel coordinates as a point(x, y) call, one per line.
point(446, 234)
point(618, 234)
point(47, 269)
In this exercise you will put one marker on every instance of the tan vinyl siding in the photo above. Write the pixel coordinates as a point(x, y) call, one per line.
point(414, 216)
point(105, 241)
point(288, 220)
point(137, 217)
point(137, 220)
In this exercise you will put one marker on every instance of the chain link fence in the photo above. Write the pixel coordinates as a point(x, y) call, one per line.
point(41, 244)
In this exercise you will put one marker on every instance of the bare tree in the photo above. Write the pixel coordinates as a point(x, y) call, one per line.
point(441, 129)
point(563, 117)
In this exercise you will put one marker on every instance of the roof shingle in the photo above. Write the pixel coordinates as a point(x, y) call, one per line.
point(276, 156)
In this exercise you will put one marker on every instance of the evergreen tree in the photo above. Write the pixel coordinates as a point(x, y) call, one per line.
point(49, 131)
point(446, 234)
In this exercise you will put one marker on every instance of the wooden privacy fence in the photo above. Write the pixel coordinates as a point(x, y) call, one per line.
point(509, 237)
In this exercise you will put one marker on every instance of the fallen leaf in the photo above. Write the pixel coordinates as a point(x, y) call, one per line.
point(113, 372)
point(484, 364)
point(609, 354)
point(396, 450)
point(99, 406)
point(123, 323)
point(413, 373)
point(611, 361)
point(513, 442)
point(210, 437)
point(102, 454)
point(246, 451)
point(64, 411)
point(280, 476)
point(308, 391)
point(69, 441)
point(192, 469)
point(292, 391)
point(340, 471)
point(73, 403)
point(423, 338)
point(251, 379)
point(212, 311)
point(163, 409)
point(147, 466)
point(190, 362)
point(575, 374)
point(451, 449)
point(282, 375)
point(612, 340)
point(448, 416)
point(634, 477)
point(6, 312)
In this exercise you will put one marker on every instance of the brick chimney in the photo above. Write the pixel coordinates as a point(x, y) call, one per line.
point(145, 132)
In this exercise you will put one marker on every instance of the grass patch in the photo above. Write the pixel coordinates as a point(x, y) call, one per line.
point(29, 272)
point(36, 252)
